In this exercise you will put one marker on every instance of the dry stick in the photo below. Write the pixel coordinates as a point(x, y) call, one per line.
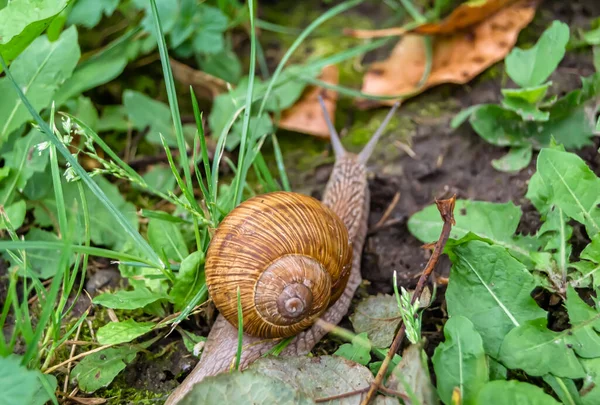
point(80, 355)
point(387, 213)
point(446, 209)
point(71, 355)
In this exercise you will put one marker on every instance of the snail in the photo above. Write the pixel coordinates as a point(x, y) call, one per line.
point(294, 259)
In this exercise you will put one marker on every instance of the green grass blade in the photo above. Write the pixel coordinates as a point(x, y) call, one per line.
point(204, 151)
point(80, 171)
point(280, 166)
point(238, 354)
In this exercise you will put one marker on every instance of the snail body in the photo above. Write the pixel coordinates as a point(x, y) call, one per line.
point(289, 255)
point(346, 196)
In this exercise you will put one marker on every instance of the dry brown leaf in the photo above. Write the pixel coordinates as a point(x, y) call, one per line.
point(457, 58)
point(305, 115)
point(205, 86)
point(88, 401)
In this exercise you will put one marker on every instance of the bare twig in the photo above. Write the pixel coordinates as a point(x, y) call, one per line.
point(446, 209)
point(80, 355)
point(387, 213)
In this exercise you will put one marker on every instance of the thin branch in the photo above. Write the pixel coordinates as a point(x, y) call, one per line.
point(446, 209)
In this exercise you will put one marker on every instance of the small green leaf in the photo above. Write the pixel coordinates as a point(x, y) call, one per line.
point(113, 118)
point(592, 250)
point(238, 388)
point(190, 279)
point(224, 65)
point(19, 384)
point(114, 333)
point(527, 111)
point(145, 112)
point(98, 369)
point(138, 298)
point(377, 316)
point(166, 238)
point(462, 116)
point(532, 67)
point(191, 341)
point(499, 126)
point(211, 23)
point(514, 392)
point(39, 70)
point(25, 159)
point(89, 12)
point(16, 215)
point(23, 21)
point(359, 350)
point(538, 351)
point(590, 392)
point(592, 37)
point(573, 186)
point(160, 178)
point(531, 95)
point(460, 361)
point(515, 160)
point(585, 322)
point(499, 289)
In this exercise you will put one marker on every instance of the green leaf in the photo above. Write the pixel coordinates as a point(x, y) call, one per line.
point(241, 388)
point(145, 112)
point(531, 95)
point(499, 126)
point(585, 322)
point(138, 298)
point(211, 23)
point(224, 65)
point(565, 389)
point(315, 377)
point(89, 12)
point(496, 222)
point(592, 250)
point(532, 67)
point(44, 263)
point(462, 116)
point(190, 279)
point(16, 215)
point(191, 341)
point(103, 229)
point(515, 160)
point(166, 238)
point(22, 21)
point(258, 127)
point(573, 186)
point(160, 178)
point(19, 384)
point(460, 361)
point(377, 316)
point(85, 111)
point(499, 288)
point(514, 392)
point(590, 392)
point(527, 111)
point(39, 70)
point(359, 350)
point(167, 11)
point(113, 118)
point(98, 369)
point(25, 160)
point(114, 333)
point(538, 351)
point(592, 37)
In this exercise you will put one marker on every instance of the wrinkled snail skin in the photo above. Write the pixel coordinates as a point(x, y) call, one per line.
point(347, 195)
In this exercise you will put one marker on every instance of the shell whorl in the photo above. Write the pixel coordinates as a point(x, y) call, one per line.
point(290, 256)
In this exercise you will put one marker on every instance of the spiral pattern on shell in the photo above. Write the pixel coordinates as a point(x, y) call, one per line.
point(290, 256)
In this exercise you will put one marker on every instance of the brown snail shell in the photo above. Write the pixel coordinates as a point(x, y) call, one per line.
point(289, 254)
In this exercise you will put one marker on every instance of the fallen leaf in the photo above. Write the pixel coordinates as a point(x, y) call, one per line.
point(88, 401)
point(457, 58)
point(411, 376)
point(305, 115)
point(205, 85)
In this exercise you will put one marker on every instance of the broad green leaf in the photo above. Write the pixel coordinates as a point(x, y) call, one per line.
point(184, 25)
point(573, 186)
point(160, 178)
point(565, 389)
point(39, 70)
point(113, 118)
point(25, 160)
point(592, 251)
point(18, 383)
point(41, 396)
point(211, 24)
point(592, 37)
point(411, 377)
point(98, 369)
point(591, 384)
point(100, 68)
point(531, 95)
point(497, 370)
point(114, 333)
point(359, 350)
point(585, 322)
point(190, 279)
point(16, 215)
point(515, 160)
point(258, 127)
point(499, 126)
point(533, 66)
point(166, 239)
point(89, 12)
point(379, 317)
point(103, 229)
point(84, 110)
point(224, 65)
point(460, 361)
point(494, 221)
point(499, 288)
point(514, 392)
point(538, 351)
point(22, 21)
point(167, 12)
point(315, 377)
point(43, 263)
point(527, 111)
point(145, 112)
point(138, 298)
point(241, 388)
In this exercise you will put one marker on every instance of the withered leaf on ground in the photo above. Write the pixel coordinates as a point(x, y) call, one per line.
point(305, 115)
point(206, 86)
point(457, 58)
